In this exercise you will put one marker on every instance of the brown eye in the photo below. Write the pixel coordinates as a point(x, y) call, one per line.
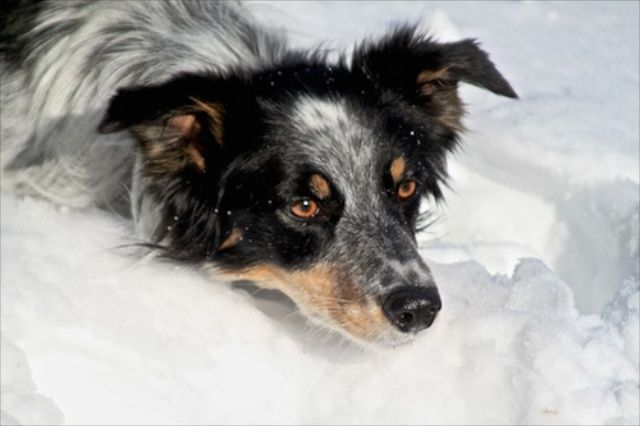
point(305, 209)
point(406, 189)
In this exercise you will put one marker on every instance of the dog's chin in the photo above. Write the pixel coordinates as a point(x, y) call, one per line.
point(394, 339)
point(388, 337)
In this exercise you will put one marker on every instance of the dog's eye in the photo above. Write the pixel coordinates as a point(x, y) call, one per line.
point(305, 209)
point(406, 189)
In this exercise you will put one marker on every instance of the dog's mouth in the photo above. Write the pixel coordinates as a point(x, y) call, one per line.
point(326, 298)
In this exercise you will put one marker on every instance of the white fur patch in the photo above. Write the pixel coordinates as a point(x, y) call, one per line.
point(317, 114)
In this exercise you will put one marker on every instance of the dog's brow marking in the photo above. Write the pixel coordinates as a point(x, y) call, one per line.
point(235, 236)
point(397, 169)
point(320, 186)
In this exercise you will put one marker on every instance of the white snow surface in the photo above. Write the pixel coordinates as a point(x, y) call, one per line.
point(535, 254)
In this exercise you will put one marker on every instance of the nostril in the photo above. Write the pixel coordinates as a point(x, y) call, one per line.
point(405, 319)
point(411, 309)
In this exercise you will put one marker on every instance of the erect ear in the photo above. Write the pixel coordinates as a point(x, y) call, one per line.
point(181, 124)
point(427, 72)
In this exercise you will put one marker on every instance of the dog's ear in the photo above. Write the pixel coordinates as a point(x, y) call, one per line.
point(182, 124)
point(427, 72)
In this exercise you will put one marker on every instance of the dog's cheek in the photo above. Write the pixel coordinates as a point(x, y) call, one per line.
point(255, 235)
point(323, 292)
point(250, 237)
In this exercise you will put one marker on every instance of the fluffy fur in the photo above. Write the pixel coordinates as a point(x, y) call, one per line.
point(217, 139)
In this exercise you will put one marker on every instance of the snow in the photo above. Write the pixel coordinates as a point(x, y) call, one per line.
point(535, 254)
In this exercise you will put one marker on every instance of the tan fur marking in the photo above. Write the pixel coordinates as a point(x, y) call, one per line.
point(323, 290)
point(320, 186)
point(235, 236)
point(196, 156)
point(183, 124)
point(431, 75)
point(441, 99)
point(215, 111)
point(172, 147)
point(164, 148)
point(188, 128)
point(397, 169)
point(430, 81)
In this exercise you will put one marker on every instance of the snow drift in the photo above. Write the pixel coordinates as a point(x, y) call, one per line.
point(535, 254)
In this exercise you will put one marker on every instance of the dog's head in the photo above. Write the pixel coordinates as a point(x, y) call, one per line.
point(307, 177)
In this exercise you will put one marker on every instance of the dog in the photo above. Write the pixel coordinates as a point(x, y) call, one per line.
point(232, 151)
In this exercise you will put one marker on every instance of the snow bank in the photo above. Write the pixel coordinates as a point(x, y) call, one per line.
point(92, 334)
point(112, 340)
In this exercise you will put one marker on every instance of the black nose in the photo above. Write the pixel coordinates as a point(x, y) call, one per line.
point(412, 309)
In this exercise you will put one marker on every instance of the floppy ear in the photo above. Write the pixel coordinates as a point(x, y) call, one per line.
point(181, 125)
point(427, 72)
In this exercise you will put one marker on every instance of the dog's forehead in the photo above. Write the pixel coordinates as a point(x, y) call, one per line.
point(316, 113)
point(335, 137)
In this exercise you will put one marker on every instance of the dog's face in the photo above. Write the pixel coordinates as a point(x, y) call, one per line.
point(307, 177)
